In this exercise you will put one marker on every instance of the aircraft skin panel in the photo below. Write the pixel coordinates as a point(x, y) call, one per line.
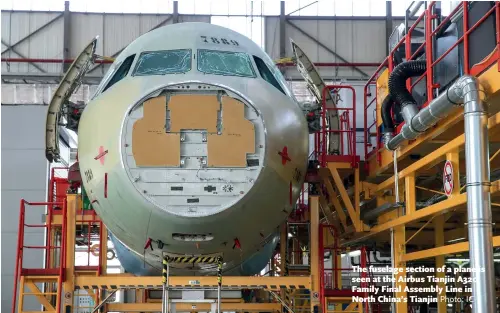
point(190, 207)
point(68, 84)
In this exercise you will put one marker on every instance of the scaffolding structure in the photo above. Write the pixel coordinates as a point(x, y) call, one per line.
point(346, 204)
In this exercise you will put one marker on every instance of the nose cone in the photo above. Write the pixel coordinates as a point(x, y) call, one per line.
point(194, 153)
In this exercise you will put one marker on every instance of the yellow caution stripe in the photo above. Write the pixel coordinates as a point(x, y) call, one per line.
point(191, 259)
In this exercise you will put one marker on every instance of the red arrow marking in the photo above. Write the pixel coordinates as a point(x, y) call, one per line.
point(284, 155)
point(101, 155)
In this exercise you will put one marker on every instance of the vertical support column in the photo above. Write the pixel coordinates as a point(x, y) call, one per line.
point(439, 241)
point(219, 282)
point(296, 252)
point(388, 25)
point(478, 184)
point(69, 247)
point(399, 248)
point(283, 255)
point(314, 247)
point(103, 249)
point(165, 296)
point(66, 35)
point(357, 208)
point(454, 157)
point(175, 13)
point(283, 244)
point(282, 30)
point(410, 194)
point(21, 294)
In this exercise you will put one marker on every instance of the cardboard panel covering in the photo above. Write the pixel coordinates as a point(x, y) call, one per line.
point(151, 145)
point(237, 139)
point(197, 112)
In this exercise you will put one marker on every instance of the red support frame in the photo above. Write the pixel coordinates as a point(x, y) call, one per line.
point(54, 196)
point(428, 16)
point(19, 270)
point(333, 290)
point(321, 146)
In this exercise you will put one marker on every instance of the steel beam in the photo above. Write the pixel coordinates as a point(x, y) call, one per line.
point(345, 198)
point(66, 34)
point(282, 30)
point(332, 196)
point(193, 307)
point(283, 243)
point(10, 77)
point(327, 212)
point(24, 57)
point(300, 30)
point(399, 249)
point(388, 25)
point(443, 250)
point(410, 194)
point(314, 250)
point(439, 242)
point(335, 64)
point(435, 209)
point(38, 294)
point(175, 15)
point(69, 284)
point(131, 282)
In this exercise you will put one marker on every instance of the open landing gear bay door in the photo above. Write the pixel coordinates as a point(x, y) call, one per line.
point(58, 108)
point(315, 84)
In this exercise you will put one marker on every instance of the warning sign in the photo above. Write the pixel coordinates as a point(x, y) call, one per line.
point(448, 178)
point(315, 295)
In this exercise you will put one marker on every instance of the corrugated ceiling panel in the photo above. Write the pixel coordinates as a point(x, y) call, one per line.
point(119, 31)
point(328, 35)
point(369, 41)
point(306, 44)
point(47, 44)
point(5, 22)
point(272, 37)
point(17, 26)
point(353, 40)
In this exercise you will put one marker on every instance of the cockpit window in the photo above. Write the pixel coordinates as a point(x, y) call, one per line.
point(225, 63)
point(163, 62)
point(266, 74)
point(121, 72)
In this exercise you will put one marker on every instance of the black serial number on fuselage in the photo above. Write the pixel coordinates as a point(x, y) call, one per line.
point(220, 41)
point(89, 175)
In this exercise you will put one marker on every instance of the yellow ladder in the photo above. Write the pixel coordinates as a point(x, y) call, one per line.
point(28, 287)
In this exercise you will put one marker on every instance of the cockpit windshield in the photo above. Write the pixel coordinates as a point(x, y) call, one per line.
point(225, 63)
point(163, 62)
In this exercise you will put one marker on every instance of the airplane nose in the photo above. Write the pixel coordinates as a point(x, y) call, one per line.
point(193, 154)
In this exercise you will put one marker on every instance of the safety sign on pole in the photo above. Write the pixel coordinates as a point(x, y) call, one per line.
point(448, 178)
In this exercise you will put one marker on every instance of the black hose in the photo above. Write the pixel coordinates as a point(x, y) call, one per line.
point(397, 81)
point(387, 105)
point(377, 260)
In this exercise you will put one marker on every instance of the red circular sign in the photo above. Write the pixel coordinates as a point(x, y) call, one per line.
point(448, 178)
